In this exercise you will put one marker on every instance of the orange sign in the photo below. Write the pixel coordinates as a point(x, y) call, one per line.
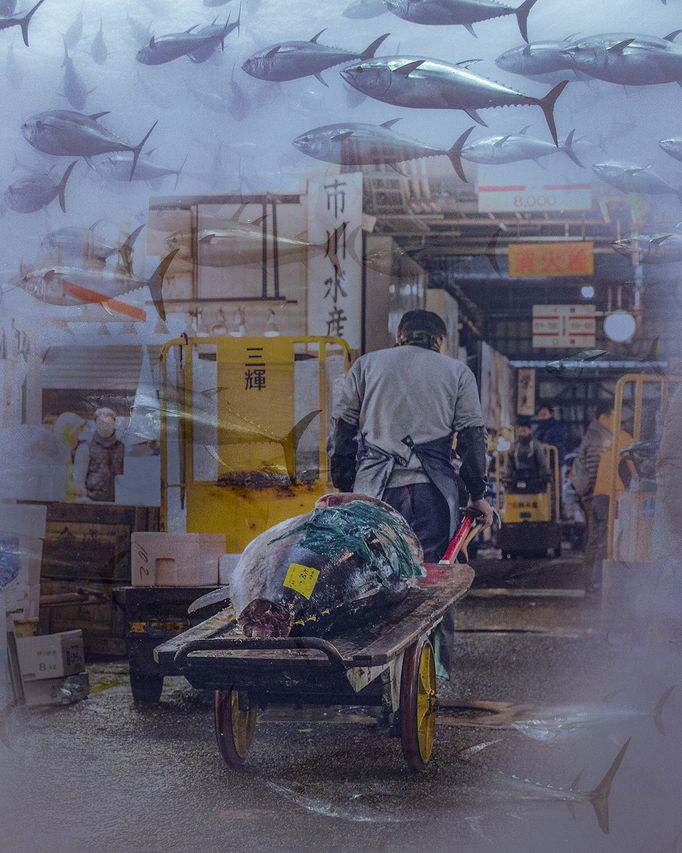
point(551, 259)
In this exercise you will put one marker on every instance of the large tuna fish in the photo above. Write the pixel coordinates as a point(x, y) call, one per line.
point(627, 59)
point(36, 190)
point(317, 572)
point(544, 61)
point(652, 248)
point(290, 60)
point(632, 178)
point(64, 133)
point(410, 81)
point(514, 147)
point(463, 12)
point(356, 144)
point(176, 45)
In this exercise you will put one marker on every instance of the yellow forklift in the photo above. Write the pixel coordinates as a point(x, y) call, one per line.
point(530, 515)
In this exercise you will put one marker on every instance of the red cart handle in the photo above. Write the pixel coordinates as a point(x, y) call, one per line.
point(471, 524)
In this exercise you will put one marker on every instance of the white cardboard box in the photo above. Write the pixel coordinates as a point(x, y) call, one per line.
point(176, 559)
point(57, 691)
point(51, 655)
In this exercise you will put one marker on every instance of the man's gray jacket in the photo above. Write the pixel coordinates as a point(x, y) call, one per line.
point(412, 393)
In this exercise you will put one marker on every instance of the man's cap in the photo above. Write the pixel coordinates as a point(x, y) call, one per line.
point(419, 320)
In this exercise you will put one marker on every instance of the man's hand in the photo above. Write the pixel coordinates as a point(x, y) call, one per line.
point(486, 511)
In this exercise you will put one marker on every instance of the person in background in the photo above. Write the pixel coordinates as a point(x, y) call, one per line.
point(68, 427)
point(527, 469)
point(391, 435)
point(591, 475)
point(549, 430)
point(106, 457)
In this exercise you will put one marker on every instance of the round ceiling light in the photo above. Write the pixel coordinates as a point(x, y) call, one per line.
point(619, 326)
point(587, 291)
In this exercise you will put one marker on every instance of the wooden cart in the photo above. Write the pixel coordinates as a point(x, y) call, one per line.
point(390, 666)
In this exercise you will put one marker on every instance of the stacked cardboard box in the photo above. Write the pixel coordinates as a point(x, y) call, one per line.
point(52, 668)
point(176, 559)
point(22, 530)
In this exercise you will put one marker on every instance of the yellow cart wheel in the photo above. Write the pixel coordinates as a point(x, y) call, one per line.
point(418, 704)
point(234, 727)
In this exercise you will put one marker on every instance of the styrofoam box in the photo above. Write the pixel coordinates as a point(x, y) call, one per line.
point(176, 559)
point(46, 483)
point(140, 484)
point(18, 602)
point(51, 655)
point(57, 691)
point(228, 563)
point(23, 520)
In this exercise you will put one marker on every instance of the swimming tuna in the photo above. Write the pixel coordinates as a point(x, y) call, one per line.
point(241, 244)
point(408, 81)
point(628, 59)
point(86, 244)
point(512, 148)
point(57, 285)
point(290, 60)
point(631, 178)
point(98, 48)
point(463, 12)
point(664, 248)
point(116, 166)
point(355, 144)
point(75, 90)
point(176, 45)
point(544, 61)
point(64, 133)
point(36, 191)
point(561, 723)
point(317, 572)
point(12, 20)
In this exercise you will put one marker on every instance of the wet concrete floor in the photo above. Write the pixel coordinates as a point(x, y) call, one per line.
point(105, 775)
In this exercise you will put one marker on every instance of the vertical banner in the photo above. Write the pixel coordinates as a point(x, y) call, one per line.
point(335, 275)
point(525, 391)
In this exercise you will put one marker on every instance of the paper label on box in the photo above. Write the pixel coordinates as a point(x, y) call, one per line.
point(301, 579)
point(10, 560)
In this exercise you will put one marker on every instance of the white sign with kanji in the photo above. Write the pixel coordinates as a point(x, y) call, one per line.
point(569, 326)
point(335, 270)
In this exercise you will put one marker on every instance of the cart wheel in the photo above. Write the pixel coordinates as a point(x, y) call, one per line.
point(146, 689)
point(418, 703)
point(234, 727)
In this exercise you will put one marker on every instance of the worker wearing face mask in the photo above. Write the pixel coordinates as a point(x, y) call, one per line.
point(106, 457)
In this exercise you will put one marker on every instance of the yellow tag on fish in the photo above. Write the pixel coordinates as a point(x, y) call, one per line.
point(301, 579)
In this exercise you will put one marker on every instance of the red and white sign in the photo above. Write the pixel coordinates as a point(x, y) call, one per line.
point(523, 187)
point(564, 326)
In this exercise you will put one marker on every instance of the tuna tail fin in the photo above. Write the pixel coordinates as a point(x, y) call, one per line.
point(547, 103)
point(155, 283)
point(291, 440)
point(522, 17)
point(568, 149)
point(125, 250)
point(137, 150)
point(455, 153)
point(491, 252)
point(26, 20)
point(658, 710)
point(179, 171)
point(599, 797)
point(62, 185)
point(371, 49)
point(215, 596)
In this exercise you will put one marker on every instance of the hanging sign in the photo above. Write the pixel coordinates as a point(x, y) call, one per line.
point(548, 260)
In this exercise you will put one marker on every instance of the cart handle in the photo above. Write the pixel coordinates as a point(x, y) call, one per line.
point(470, 525)
point(265, 643)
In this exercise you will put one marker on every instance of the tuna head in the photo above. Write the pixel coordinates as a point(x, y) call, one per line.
point(318, 143)
point(401, 8)
point(672, 146)
point(627, 246)
point(536, 58)
point(372, 78)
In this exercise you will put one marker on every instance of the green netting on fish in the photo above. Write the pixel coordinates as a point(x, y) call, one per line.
point(376, 536)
